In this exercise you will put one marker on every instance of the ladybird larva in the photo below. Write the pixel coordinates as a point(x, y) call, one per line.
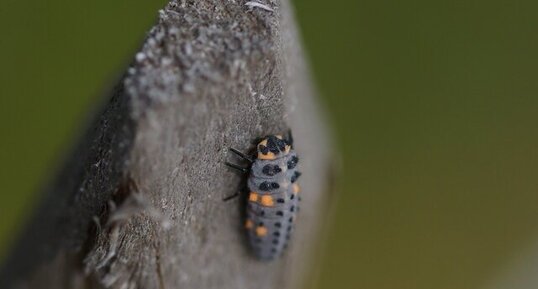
point(272, 203)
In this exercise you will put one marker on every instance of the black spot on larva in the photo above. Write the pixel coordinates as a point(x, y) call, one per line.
point(281, 144)
point(272, 144)
point(295, 176)
point(292, 208)
point(260, 224)
point(292, 163)
point(290, 220)
point(262, 212)
point(267, 186)
point(271, 170)
point(300, 199)
point(280, 200)
point(276, 234)
point(278, 225)
point(289, 228)
point(275, 144)
point(264, 186)
point(279, 213)
point(275, 241)
point(267, 170)
point(292, 196)
point(263, 149)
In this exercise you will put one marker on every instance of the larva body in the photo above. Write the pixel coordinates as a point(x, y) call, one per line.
point(273, 199)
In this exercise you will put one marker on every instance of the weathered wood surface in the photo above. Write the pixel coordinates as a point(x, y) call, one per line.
point(139, 202)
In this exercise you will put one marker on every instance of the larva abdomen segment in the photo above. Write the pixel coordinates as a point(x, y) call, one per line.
point(271, 208)
point(270, 231)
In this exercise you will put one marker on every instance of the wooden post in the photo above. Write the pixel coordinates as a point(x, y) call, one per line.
point(138, 203)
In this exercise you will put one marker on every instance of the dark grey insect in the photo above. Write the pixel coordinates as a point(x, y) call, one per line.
point(273, 199)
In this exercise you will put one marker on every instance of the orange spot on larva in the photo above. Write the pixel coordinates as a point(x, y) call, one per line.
point(249, 224)
point(268, 156)
point(267, 201)
point(261, 231)
point(253, 197)
point(296, 188)
point(287, 149)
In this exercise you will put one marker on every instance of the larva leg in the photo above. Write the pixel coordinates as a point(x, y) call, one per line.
point(239, 168)
point(242, 155)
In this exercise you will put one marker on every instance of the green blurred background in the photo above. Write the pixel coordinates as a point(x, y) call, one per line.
point(435, 105)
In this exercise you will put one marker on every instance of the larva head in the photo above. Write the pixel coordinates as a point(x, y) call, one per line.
point(273, 147)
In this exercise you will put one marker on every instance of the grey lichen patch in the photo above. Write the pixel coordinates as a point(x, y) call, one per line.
point(200, 43)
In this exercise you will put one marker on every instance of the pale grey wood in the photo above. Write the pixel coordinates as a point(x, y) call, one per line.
point(211, 74)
